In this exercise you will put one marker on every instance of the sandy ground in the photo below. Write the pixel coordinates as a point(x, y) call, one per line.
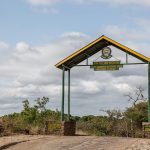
point(7, 140)
point(77, 143)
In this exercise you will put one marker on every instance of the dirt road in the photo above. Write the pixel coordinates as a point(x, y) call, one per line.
point(83, 143)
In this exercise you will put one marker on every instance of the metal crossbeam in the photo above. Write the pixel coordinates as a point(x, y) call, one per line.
point(110, 64)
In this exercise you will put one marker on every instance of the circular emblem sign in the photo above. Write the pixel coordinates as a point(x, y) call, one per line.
point(106, 53)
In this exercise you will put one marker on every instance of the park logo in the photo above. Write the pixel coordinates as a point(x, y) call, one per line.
point(106, 53)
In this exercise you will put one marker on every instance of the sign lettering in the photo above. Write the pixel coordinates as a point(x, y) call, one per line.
point(106, 65)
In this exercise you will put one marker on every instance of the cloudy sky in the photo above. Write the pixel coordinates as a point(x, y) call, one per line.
point(36, 34)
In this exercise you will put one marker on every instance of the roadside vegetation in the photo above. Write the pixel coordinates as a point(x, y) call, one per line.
point(37, 119)
point(116, 123)
point(31, 120)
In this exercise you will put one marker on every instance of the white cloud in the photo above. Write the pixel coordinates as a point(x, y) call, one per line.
point(90, 86)
point(125, 33)
point(22, 47)
point(136, 38)
point(46, 6)
point(46, 10)
point(145, 3)
point(42, 2)
point(74, 34)
point(117, 2)
point(43, 6)
point(3, 45)
point(126, 83)
point(30, 71)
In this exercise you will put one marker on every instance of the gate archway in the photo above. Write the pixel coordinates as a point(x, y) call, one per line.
point(100, 44)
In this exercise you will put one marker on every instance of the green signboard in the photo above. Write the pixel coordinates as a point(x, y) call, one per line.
point(106, 66)
point(106, 63)
point(146, 126)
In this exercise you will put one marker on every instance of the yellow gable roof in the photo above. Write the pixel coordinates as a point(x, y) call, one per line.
point(95, 47)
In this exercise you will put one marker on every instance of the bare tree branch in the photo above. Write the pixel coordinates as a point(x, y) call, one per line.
point(138, 95)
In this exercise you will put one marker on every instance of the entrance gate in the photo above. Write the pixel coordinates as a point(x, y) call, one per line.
point(100, 44)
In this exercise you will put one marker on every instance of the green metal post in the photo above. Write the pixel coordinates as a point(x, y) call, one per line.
point(126, 58)
point(69, 94)
point(148, 92)
point(63, 94)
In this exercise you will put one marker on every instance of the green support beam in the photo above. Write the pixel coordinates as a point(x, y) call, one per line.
point(69, 94)
point(63, 94)
point(148, 92)
point(126, 58)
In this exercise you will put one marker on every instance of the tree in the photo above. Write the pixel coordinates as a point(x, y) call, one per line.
point(136, 96)
point(115, 118)
point(26, 104)
point(137, 113)
point(41, 103)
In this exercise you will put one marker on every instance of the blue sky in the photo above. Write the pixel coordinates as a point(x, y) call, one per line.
point(36, 34)
point(22, 21)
